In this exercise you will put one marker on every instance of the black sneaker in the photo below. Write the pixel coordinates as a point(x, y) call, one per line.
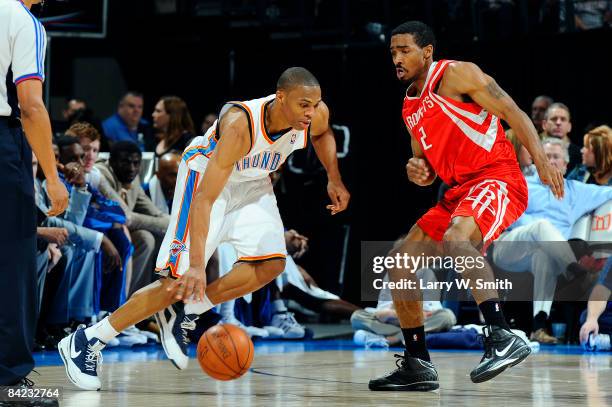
point(503, 349)
point(412, 374)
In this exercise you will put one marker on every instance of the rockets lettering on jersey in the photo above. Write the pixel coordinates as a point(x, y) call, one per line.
point(461, 140)
point(267, 153)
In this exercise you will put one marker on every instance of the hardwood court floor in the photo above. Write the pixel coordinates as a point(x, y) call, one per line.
point(301, 375)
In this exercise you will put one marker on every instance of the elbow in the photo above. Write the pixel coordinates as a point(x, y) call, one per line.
point(30, 110)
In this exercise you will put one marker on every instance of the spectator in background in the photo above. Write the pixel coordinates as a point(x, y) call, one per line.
point(72, 106)
point(596, 167)
point(591, 14)
point(557, 124)
point(89, 139)
point(538, 109)
point(173, 124)
point(147, 224)
point(526, 246)
point(127, 123)
point(161, 186)
point(596, 320)
point(208, 121)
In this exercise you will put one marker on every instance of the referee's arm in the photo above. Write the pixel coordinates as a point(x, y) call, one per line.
point(37, 129)
point(28, 56)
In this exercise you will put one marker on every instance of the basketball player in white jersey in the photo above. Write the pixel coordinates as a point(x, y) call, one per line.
point(223, 194)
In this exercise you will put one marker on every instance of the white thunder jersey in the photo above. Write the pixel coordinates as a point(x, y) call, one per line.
point(245, 214)
point(268, 152)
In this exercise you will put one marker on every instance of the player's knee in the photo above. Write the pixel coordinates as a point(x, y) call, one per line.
point(456, 239)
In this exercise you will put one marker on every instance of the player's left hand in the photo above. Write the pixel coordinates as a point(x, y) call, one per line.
point(339, 196)
point(191, 286)
point(551, 176)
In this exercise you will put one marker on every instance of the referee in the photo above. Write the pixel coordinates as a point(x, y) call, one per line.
point(22, 50)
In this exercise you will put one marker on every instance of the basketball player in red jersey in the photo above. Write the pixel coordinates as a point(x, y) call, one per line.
point(452, 111)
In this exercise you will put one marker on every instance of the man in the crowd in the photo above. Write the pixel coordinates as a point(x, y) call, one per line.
point(161, 186)
point(597, 318)
point(538, 241)
point(127, 123)
point(208, 121)
point(558, 124)
point(538, 108)
point(72, 106)
point(146, 223)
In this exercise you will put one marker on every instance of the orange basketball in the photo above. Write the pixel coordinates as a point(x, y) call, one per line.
point(225, 352)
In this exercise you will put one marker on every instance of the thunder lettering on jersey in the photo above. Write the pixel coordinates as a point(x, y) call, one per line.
point(460, 140)
point(267, 152)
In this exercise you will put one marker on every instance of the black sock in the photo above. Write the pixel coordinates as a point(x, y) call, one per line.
point(492, 313)
point(415, 343)
point(539, 321)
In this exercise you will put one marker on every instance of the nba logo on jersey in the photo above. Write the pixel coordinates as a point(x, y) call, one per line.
point(176, 247)
point(293, 138)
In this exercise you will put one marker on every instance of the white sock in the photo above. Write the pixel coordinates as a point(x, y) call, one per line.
point(199, 307)
point(103, 330)
point(226, 309)
point(278, 306)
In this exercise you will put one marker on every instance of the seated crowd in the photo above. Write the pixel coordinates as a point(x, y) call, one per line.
point(104, 247)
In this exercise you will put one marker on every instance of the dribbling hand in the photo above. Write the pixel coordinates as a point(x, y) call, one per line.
point(191, 284)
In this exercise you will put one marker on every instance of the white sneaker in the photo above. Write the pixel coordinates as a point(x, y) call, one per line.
point(82, 358)
point(369, 339)
point(274, 332)
point(173, 326)
point(291, 328)
point(250, 330)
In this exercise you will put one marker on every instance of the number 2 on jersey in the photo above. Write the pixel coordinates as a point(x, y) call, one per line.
point(423, 141)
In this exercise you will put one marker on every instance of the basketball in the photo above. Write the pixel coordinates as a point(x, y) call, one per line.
point(225, 352)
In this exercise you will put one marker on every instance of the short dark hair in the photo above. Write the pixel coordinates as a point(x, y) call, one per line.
point(65, 141)
point(131, 93)
point(124, 146)
point(296, 76)
point(422, 33)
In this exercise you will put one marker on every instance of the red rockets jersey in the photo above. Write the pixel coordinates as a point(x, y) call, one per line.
point(461, 141)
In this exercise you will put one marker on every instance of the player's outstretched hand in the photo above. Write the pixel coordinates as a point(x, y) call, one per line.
point(551, 176)
point(190, 285)
point(589, 326)
point(420, 172)
point(339, 196)
point(58, 195)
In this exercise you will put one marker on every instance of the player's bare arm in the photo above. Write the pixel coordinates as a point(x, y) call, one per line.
point(465, 78)
point(234, 143)
point(324, 144)
point(418, 168)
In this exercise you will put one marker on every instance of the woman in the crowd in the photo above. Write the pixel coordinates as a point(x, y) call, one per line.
point(173, 123)
point(596, 165)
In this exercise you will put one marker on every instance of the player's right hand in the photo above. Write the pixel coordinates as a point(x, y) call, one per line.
point(419, 171)
point(589, 326)
point(191, 284)
point(58, 195)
